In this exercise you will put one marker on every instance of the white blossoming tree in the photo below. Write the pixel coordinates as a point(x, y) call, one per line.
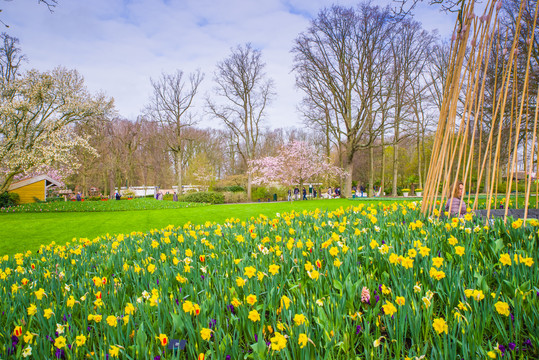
point(37, 114)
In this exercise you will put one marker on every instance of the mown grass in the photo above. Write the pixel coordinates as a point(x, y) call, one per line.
point(91, 206)
point(20, 232)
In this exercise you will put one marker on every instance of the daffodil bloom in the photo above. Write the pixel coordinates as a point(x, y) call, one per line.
point(389, 308)
point(112, 320)
point(407, 263)
point(424, 251)
point(285, 301)
point(251, 299)
point(240, 282)
point(254, 316)
point(502, 308)
point(205, 333)
point(440, 325)
point(278, 342)
point(274, 269)
point(505, 259)
point(80, 340)
point(302, 340)
point(27, 351)
point(60, 342)
point(437, 262)
point(129, 308)
point(114, 351)
point(249, 272)
point(39, 293)
point(299, 319)
point(47, 313)
point(400, 300)
point(459, 250)
point(28, 337)
point(32, 310)
point(313, 274)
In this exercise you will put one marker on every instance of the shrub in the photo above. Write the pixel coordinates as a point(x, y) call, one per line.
point(51, 199)
point(235, 197)
point(210, 197)
point(168, 197)
point(260, 193)
point(231, 188)
point(234, 188)
point(129, 193)
point(9, 199)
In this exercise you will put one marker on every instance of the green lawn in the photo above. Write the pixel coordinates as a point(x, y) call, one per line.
point(20, 232)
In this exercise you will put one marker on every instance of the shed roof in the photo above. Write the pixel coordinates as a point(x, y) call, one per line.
point(25, 182)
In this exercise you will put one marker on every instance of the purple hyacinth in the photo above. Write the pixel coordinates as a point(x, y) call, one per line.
point(60, 354)
point(511, 346)
point(358, 329)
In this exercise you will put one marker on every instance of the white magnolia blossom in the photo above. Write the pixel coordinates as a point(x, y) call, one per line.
point(37, 111)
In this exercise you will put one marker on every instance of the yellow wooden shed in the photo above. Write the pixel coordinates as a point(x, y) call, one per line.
point(33, 188)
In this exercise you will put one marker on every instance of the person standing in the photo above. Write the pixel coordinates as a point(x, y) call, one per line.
point(175, 196)
point(296, 193)
point(455, 205)
point(304, 193)
point(79, 196)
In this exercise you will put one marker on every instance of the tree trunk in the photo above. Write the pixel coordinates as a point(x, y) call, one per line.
point(349, 168)
point(371, 172)
point(383, 177)
point(179, 171)
point(249, 181)
point(395, 168)
point(419, 167)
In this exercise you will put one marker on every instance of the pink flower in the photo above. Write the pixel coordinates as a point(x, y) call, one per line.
point(365, 295)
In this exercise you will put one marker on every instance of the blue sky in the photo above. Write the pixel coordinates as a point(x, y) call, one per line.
point(117, 45)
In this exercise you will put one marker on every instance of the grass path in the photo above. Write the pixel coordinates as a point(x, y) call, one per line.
point(27, 231)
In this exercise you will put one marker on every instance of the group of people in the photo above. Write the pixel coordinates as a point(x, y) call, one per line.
point(296, 193)
point(159, 196)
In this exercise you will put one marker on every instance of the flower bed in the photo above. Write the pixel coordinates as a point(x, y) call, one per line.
point(368, 282)
point(92, 206)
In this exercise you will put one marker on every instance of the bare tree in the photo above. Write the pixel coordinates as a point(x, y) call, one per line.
point(245, 92)
point(338, 62)
point(410, 49)
point(170, 106)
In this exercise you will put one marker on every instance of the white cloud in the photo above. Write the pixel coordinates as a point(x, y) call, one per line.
point(117, 45)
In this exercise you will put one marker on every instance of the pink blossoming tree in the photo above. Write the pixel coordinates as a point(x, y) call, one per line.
point(295, 163)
